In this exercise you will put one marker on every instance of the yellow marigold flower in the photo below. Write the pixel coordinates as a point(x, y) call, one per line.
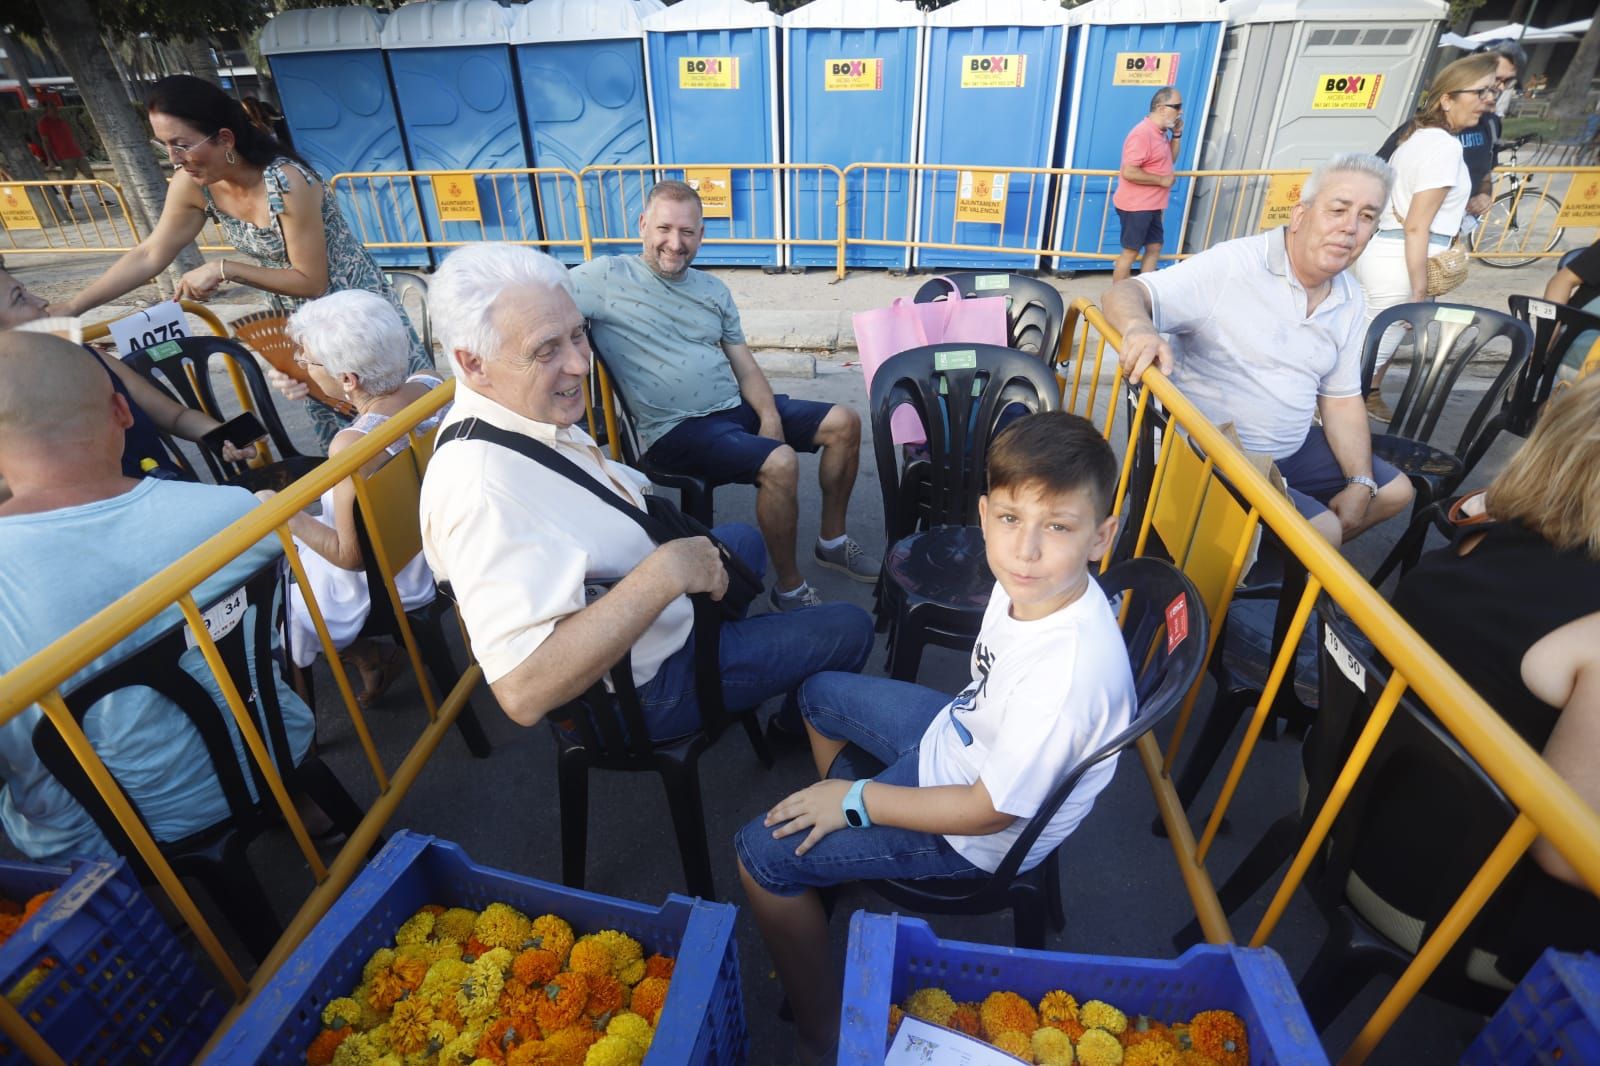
point(502, 926)
point(930, 1004)
point(415, 929)
point(1006, 1012)
point(1051, 1047)
point(496, 958)
point(462, 1050)
point(1058, 1006)
point(552, 934)
point(1193, 1057)
point(1151, 1053)
point(632, 973)
point(630, 1025)
point(442, 980)
point(590, 955)
point(341, 1012)
point(1014, 1043)
point(408, 1025)
point(627, 956)
point(455, 924)
point(1098, 1014)
point(479, 994)
point(1098, 1048)
point(965, 1019)
point(357, 1050)
point(429, 952)
point(381, 960)
point(614, 1051)
point(440, 1033)
point(649, 998)
point(30, 981)
point(389, 1058)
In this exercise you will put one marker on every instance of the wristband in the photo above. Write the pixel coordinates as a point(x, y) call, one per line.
point(855, 811)
point(222, 266)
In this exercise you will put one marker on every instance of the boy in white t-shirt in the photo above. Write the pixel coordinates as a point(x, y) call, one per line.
point(959, 778)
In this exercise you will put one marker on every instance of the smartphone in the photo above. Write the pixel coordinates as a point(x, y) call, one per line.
point(240, 432)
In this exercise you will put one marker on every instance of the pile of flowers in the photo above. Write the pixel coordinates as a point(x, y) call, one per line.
point(496, 988)
point(12, 917)
point(1059, 1031)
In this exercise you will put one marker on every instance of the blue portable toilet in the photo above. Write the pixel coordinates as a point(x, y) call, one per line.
point(713, 72)
point(328, 69)
point(453, 85)
point(1123, 52)
point(580, 64)
point(991, 98)
point(851, 79)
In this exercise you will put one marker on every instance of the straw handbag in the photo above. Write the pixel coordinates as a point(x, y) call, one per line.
point(1446, 270)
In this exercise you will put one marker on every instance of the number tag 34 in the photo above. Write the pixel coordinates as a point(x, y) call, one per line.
point(155, 324)
point(221, 619)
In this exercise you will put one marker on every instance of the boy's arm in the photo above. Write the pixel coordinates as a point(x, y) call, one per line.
point(953, 810)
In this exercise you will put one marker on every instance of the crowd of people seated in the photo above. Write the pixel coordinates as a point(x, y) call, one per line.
point(535, 531)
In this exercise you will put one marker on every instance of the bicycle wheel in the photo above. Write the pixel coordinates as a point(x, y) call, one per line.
point(1518, 225)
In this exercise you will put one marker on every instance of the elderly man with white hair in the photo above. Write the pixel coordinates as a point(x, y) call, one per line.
point(355, 347)
point(518, 541)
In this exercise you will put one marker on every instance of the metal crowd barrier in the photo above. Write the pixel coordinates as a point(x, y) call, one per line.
point(40, 218)
point(1546, 803)
point(38, 681)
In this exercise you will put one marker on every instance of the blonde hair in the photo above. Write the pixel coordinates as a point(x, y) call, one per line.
point(1453, 78)
point(1552, 484)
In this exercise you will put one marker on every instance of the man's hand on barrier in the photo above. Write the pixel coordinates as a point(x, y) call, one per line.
point(291, 388)
point(1141, 346)
point(1350, 507)
point(695, 565)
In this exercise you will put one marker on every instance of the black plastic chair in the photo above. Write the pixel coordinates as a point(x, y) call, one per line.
point(935, 583)
point(1447, 338)
point(1163, 674)
point(1555, 326)
point(694, 492)
point(215, 856)
point(606, 730)
point(183, 368)
point(1408, 549)
point(1035, 310)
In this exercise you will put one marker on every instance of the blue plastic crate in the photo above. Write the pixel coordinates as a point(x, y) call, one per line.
point(703, 1021)
point(123, 988)
point(1553, 1016)
point(890, 956)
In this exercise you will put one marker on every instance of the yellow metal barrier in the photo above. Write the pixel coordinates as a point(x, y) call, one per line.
point(101, 330)
point(39, 220)
point(1548, 804)
point(38, 680)
point(539, 206)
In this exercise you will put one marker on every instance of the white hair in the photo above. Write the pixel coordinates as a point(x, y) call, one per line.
point(469, 282)
point(1349, 163)
point(355, 332)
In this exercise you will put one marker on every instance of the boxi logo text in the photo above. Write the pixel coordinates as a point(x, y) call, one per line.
point(704, 66)
point(1353, 84)
point(990, 63)
point(1143, 63)
point(854, 68)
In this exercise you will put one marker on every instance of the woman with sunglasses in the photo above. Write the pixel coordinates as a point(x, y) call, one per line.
point(293, 240)
point(1428, 202)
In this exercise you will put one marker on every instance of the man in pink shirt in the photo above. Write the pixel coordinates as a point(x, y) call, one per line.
point(1141, 196)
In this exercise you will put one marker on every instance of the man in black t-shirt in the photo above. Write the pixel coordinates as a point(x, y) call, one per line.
point(1577, 283)
point(1477, 142)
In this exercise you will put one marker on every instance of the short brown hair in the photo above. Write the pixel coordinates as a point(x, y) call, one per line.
point(1056, 452)
point(680, 191)
point(1552, 484)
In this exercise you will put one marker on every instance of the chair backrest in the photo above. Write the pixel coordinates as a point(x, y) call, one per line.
point(613, 412)
point(1166, 630)
point(265, 332)
point(183, 366)
point(1035, 310)
point(390, 533)
point(1554, 326)
point(1447, 337)
point(155, 665)
point(412, 290)
point(960, 393)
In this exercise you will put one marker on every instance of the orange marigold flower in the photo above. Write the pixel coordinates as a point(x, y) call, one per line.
point(535, 966)
point(1151, 1053)
point(35, 902)
point(561, 1002)
point(1192, 1057)
point(1057, 1006)
point(320, 1053)
point(1006, 1012)
point(649, 996)
point(552, 934)
point(590, 956)
point(1015, 1043)
point(896, 1016)
point(607, 995)
point(499, 1040)
point(964, 1018)
point(1220, 1035)
point(473, 949)
point(401, 976)
point(1142, 1030)
point(569, 1046)
point(9, 923)
point(408, 1025)
point(659, 966)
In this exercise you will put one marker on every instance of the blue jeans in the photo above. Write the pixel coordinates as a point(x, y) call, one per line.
point(884, 721)
point(765, 656)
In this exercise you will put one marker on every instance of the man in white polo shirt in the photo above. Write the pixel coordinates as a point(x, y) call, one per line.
point(1266, 331)
point(519, 541)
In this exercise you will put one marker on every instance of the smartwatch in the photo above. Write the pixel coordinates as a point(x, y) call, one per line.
point(855, 811)
point(1371, 485)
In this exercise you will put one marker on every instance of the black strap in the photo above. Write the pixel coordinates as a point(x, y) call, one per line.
point(548, 457)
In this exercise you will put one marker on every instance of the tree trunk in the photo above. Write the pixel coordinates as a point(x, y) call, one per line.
point(195, 55)
point(17, 161)
point(77, 37)
point(1571, 98)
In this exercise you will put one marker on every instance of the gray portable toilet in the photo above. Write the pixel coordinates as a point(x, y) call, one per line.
point(580, 66)
point(329, 73)
point(1300, 82)
point(851, 79)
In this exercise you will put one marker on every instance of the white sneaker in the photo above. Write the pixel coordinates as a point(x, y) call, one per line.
point(805, 596)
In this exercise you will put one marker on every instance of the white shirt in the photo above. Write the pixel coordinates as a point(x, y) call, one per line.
point(1245, 350)
point(1429, 159)
point(517, 541)
point(1044, 694)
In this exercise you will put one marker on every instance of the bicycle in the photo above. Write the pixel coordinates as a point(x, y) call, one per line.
point(1520, 223)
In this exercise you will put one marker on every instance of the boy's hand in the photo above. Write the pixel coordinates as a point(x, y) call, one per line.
point(819, 808)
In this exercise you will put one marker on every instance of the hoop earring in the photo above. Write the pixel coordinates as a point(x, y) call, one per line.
point(230, 157)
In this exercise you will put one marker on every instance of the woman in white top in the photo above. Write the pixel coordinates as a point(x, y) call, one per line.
point(1428, 201)
point(355, 347)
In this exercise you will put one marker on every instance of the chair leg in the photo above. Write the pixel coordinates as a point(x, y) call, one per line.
point(758, 741)
point(313, 778)
point(1052, 891)
point(1226, 710)
point(1274, 848)
point(238, 895)
point(572, 786)
point(1028, 918)
point(682, 782)
point(436, 656)
point(1341, 969)
point(905, 650)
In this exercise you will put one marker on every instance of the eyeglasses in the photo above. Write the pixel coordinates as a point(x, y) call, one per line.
point(1502, 84)
point(175, 150)
point(1481, 94)
point(301, 360)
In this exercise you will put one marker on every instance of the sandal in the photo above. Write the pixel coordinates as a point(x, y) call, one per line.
point(375, 682)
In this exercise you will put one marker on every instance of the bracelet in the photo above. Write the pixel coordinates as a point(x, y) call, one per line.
point(222, 266)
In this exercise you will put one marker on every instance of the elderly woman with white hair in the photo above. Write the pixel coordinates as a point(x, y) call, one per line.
point(355, 347)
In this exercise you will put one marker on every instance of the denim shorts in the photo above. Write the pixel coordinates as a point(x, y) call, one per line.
point(884, 721)
point(1314, 477)
point(725, 446)
point(1140, 229)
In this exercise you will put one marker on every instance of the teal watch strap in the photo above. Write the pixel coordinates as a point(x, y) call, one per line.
point(855, 811)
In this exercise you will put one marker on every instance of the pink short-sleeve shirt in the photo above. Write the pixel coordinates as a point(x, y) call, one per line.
point(1147, 148)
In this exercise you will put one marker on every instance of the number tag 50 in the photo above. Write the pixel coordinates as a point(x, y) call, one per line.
point(157, 323)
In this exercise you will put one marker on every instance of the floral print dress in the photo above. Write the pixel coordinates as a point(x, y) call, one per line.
point(350, 266)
